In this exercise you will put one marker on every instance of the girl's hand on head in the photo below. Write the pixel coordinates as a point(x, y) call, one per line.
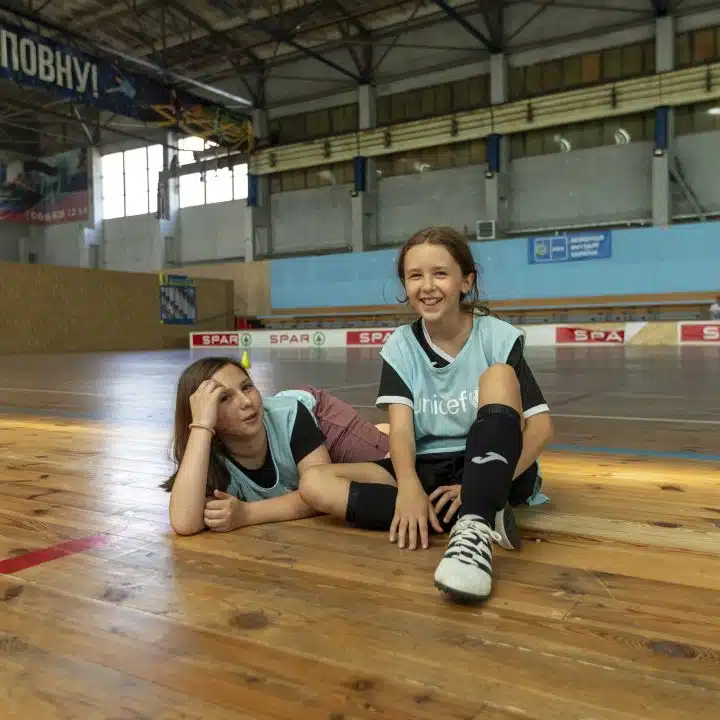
point(413, 510)
point(444, 495)
point(224, 513)
point(204, 402)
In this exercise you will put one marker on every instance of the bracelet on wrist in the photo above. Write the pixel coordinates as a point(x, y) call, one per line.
point(202, 427)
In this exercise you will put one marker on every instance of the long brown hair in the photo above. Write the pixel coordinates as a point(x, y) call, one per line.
point(458, 246)
point(193, 376)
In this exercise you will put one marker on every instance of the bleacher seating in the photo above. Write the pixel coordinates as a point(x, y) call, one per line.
point(616, 308)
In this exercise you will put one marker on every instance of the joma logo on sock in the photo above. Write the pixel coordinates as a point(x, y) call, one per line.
point(489, 457)
point(438, 406)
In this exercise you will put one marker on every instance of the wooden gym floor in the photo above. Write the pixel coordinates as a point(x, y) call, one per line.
point(611, 610)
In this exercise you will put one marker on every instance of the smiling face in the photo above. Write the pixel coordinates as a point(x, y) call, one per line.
point(434, 281)
point(240, 411)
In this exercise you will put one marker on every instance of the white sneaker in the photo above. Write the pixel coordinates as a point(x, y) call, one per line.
point(506, 527)
point(465, 571)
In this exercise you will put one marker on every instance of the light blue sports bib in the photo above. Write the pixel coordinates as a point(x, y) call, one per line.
point(445, 399)
point(279, 420)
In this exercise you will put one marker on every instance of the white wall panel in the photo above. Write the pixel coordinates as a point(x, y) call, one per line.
point(213, 232)
point(698, 156)
point(605, 184)
point(132, 244)
point(408, 203)
point(317, 219)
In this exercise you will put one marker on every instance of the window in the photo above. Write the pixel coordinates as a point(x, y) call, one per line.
point(214, 185)
point(240, 182)
point(155, 166)
point(192, 190)
point(137, 200)
point(130, 181)
point(113, 186)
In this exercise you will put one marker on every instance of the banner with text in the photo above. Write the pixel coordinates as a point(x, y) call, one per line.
point(46, 191)
point(699, 333)
point(570, 247)
point(38, 61)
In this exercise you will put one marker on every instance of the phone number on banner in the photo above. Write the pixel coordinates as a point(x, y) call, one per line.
point(71, 213)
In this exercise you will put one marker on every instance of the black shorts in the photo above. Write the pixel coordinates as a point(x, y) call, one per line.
point(435, 471)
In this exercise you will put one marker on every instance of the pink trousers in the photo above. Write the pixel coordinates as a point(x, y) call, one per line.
point(350, 438)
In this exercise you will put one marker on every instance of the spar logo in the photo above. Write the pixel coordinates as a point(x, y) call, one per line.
point(290, 338)
point(700, 332)
point(216, 339)
point(584, 336)
point(318, 339)
point(367, 337)
point(246, 340)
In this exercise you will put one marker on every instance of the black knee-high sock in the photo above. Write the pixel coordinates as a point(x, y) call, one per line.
point(371, 506)
point(492, 452)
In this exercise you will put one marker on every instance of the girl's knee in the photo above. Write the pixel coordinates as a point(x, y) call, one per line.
point(311, 485)
point(499, 374)
point(499, 384)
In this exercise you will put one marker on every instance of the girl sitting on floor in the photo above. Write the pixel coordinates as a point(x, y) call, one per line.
point(467, 424)
point(239, 457)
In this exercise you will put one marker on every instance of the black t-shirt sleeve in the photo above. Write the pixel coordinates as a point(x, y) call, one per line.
point(392, 388)
point(533, 401)
point(306, 435)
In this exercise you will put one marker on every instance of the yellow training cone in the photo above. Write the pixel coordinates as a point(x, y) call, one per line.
point(245, 362)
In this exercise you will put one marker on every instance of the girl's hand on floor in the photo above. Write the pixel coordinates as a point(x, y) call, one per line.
point(444, 495)
point(413, 510)
point(223, 514)
point(204, 402)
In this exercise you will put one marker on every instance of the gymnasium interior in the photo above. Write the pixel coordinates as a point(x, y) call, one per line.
point(196, 178)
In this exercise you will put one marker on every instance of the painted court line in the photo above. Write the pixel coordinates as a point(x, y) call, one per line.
point(674, 421)
point(664, 454)
point(54, 552)
point(627, 418)
point(335, 388)
point(52, 392)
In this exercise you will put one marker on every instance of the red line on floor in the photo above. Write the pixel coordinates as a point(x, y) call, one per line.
point(38, 557)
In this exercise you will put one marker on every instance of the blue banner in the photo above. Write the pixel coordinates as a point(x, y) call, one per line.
point(570, 247)
point(38, 61)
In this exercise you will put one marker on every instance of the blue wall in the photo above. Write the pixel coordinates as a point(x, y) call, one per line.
point(683, 258)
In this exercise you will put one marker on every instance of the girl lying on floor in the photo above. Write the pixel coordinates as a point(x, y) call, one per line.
point(240, 456)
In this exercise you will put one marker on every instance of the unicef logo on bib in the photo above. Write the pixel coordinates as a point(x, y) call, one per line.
point(318, 339)
point(246, 340)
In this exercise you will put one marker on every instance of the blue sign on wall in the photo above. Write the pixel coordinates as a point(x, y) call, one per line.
point(570, 247)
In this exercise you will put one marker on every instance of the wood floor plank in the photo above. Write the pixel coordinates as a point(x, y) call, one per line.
point(222, 667)
point(80, 690)
point(611, 611)
point(290, 593)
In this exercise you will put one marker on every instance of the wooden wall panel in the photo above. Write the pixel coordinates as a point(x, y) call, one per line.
point(46, 308)
point(251, 281)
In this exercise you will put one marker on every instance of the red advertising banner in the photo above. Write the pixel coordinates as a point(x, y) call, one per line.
point(215, 339)
point(586, 336)
point(367, 337)
point(700, 332)
point(46, 191)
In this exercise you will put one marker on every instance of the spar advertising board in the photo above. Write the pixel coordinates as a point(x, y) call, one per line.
point(699, 333)
point(589, 335)
point(281, 339)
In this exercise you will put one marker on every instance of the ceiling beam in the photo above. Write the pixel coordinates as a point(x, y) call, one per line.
point(281, 36)
point(452, 13)
point(661, 7)
point(220, 36)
